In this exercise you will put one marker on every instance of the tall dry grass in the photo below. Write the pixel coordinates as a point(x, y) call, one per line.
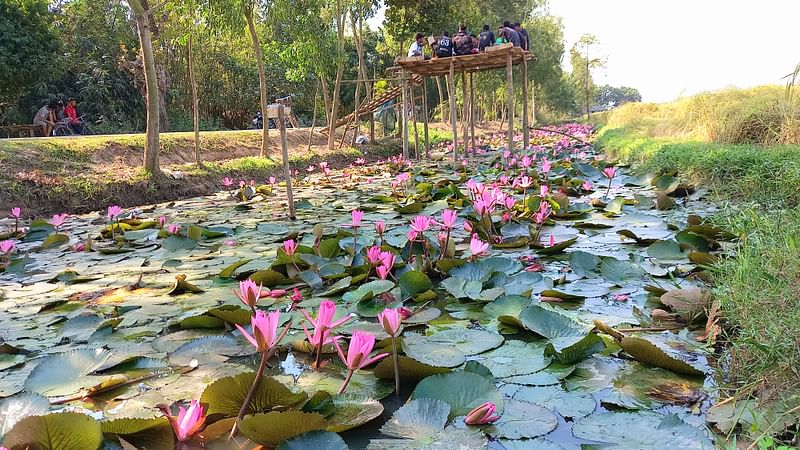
point(765, 115)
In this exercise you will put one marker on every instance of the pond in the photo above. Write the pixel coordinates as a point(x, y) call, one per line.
point(561, 288)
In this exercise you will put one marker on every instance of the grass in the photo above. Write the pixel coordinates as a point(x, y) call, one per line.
point(758, 286)
point(766, 115)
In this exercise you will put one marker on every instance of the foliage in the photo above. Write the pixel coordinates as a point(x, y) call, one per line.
point(607, 96)
point(26, 45)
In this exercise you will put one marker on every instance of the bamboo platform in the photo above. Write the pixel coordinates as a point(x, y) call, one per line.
point(495, 57)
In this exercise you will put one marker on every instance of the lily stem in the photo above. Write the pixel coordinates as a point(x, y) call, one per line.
point(396, 366)
point(346, 382)
point(265, 356)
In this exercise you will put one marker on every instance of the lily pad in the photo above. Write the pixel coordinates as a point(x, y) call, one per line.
point(414, 282)
point(351, 411)
point(273, 428)
point(569, 404)
point(315, 440)
point(155, 433)
point(226, 395)
point(18, 407)
point(568, 340)
point(648, 353)
point(75, 432)
point(620, 272)
point(467, 341)
point(641, 430)
point(462, 391)
point(206, 349)
point(410, 369)
point(422, 349)
point(66, 373)
point(515, 358)
point(522, 419)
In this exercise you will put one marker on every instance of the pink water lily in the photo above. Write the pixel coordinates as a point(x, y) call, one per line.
point(544, 190)
point(227, 182)
point(481, 415)
point(58, 219)
point(374, 255)
point(289, 247)
point(265, 330)
point(413, 235)
point(552, 241)
point(383, 271)
point(546, 165)
point(421, 224)
point(249, 293)
point(6, 246)
point(114, 212)
point(189, 421)
point(272, 180)
point(173, 228)
point(360, 161)
point(355, 218)
point(610, 172)
point(361, 345)
point(587, 186)
point(390, 319)
point(524, 181)
point(478, 248)
point(15, 212)
point(323, 325)
point(380, 227)
point(449, 218)
point(161, 221)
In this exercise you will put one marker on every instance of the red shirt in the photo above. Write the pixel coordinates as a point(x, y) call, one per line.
point(72, 113)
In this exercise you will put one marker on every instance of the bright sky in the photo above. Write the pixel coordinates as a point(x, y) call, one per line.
point(679, 47)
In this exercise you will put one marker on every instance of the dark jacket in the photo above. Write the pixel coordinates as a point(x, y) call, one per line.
point(444, 47)
point(462, 43)
point(485, 39)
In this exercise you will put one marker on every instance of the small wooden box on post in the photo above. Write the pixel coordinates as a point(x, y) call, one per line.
point(280, 112)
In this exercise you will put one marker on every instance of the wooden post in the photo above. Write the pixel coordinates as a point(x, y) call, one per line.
point(526, 129)
point(425, 117)
point(510, 83)
point(533, 102)
point(404, 113)
point(472, 112)
point(287, 172)
point(372, 113)
point(464, 112)
point(451, 93)
point(414, 121)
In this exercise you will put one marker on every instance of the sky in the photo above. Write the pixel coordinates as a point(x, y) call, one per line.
point(668, 49)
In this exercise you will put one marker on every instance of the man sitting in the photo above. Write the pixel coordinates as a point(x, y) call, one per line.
point(485, 39)
point(71, 112)
point(445, 47)
point(46, 118)
point(462, 41)
point(523, 35)
point(511, 35)
point(416, 47)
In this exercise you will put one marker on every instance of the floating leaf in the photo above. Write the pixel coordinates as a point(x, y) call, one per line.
point(641, 430)
point(666, 250)
point(178, 243)
point(521, 419)
point(414, 282)
point(462, 391)
point(351, 411)
point(61, 431)
point(569, 404)
point(410, 369)
point(226, 395)
point(228, 271)
point(66, 373)
point(420, 425)
point(182, 286)
point(649, 353)
point(515, 358)
point(315, 440)
point(273, 428)
point(467, 341)
point(568, 340)
point(690, 303)
point(620, 272)
point(13, 409)
point(584, 264)
point(55, 240)
point(150, 434)
point(422, 349)
point(206, 349)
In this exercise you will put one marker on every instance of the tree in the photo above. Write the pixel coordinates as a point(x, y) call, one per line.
point(582, 65)
point(141, 12)
point(608, 97)
point(27, 46)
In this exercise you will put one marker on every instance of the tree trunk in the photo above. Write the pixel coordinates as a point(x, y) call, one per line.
point(326, 98)
point(262, 79)
point(341, 14)
point(152, 144)
point(313, 118)
point(195, 102)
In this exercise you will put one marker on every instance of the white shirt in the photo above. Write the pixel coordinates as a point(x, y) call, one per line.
point(415, 49)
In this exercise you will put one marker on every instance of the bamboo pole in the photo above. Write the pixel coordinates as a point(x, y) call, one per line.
point(533, 102)
point(510, 83)
point(472, 112)
point(414, 121)
point(464, 113)
point(425, 117)
point(451, 93)
point(404, 114)
point(287, 172)
point(526, 131)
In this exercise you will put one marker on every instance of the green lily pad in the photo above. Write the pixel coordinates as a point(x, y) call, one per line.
point(74, 432)
point(522, 419)
point(461, 288)
point(648, 353)
point(583, 263)
point(515, 358)
point(55, 240)
point(226, 395)
point(640, 430)
point(206, 349)
point(568, 340)
point(582, 289)
point(368, 290)
point(530, 444)
point(462, 391)
point(620, 272)
point(268, 278)
point(551, 375)
point(667, 250)
point(66, 373)
point(422, 349)
point(557, 248)
point(410, 369)
point(569, 404)
point(351, 411)
point(155, 433)
point(315, 440)
point(273, 428)
point(178, 243)
point(13, 409)
point(414, 282)
point(467, 341)
point(229, 271)
point(420, 425)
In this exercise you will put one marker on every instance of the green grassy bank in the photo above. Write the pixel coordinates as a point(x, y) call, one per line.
point(757, 286)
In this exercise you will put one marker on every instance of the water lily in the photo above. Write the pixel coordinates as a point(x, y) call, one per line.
point(610, 173)
point(15, 213)
point(323, 324)
point(544, 190)
point(355, 218)
point(189, 421)
point(380, 227)
point(296, 297)
point(374, 255)
point(481, 415)
point(6, 246)
point(58, 219)
point(173, 228)
point(360, 161)
point(227, 182)
point(449, 218)
point(361, 345)
point(249, 293)
point(272, 180)
point(391, 320)
point(422, 224)
point(113, 214)
point(478, 248)
point(587, 185)
point(289, 247)
point(546, 166)
point(161, 221)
